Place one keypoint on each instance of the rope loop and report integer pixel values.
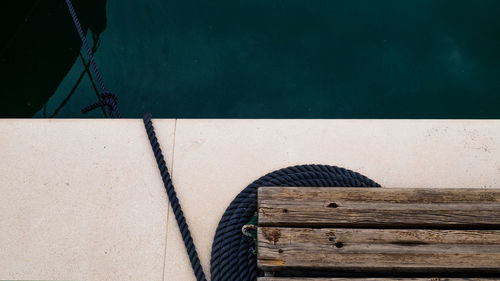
(109, 100)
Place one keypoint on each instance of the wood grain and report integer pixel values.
(379, 250)
(379, 207)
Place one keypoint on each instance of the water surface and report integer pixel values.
(296, 59)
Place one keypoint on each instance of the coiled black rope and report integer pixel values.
(232, 258)
(174, 202)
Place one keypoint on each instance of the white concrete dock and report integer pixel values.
(83, 199)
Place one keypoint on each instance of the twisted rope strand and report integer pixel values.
(107, 98)
(174, 201)
(86, 46)
(232, 258)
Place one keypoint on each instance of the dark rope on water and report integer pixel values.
(86, 46)
(233, 257)
(107, 99)
(174, 201)
(89, 75)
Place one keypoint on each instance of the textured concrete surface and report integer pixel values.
(83, 200)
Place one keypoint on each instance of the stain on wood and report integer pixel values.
(274, 261)
(271, 235)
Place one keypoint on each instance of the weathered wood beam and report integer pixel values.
(379, 250)
(379, 207)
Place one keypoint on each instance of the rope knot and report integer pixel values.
(107, 99)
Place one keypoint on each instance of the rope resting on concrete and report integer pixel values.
(172, 197)
(232, 257)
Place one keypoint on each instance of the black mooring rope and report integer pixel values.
(174, 202)
(107, 98)
(232, 258)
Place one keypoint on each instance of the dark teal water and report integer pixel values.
(297, 59)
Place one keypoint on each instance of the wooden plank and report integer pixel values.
(378, 250)
(371, 279)
(379, 207)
